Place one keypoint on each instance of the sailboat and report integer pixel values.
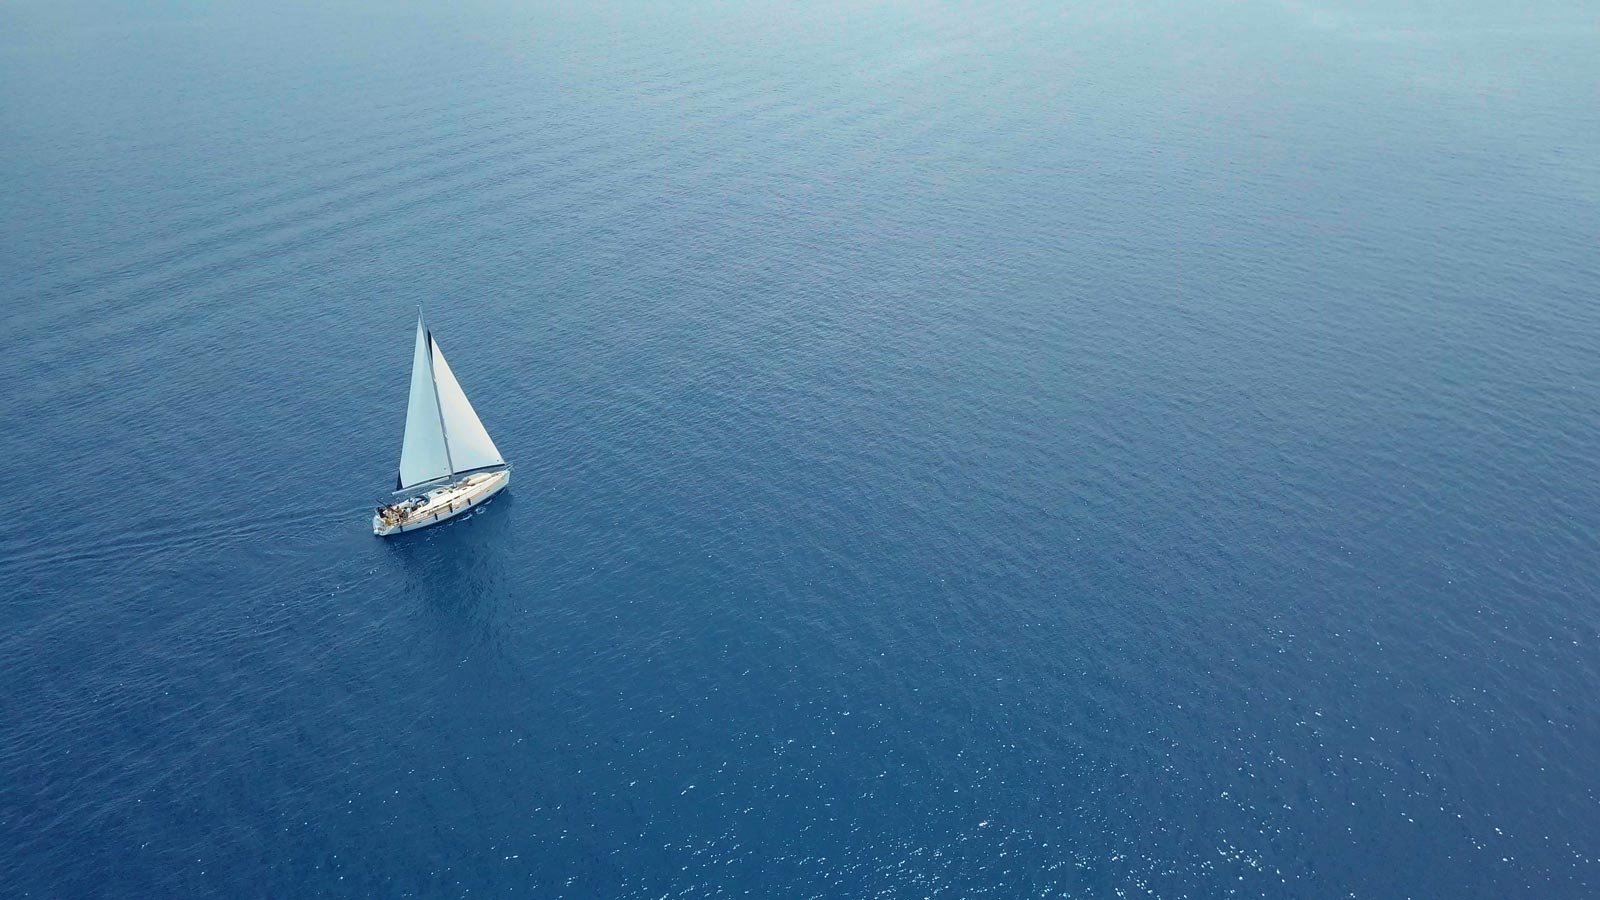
(445, 445)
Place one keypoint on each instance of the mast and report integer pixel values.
(433, 380)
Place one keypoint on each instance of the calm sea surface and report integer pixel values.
(962, 450)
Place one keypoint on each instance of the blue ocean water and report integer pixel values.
(961, 450)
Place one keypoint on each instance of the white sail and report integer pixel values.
(423, 456)
(469, 444)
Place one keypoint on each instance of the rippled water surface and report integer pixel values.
(962, 450)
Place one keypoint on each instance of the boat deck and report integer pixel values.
(448, 496)
(442, 503)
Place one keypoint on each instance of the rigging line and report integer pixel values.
(438, 407)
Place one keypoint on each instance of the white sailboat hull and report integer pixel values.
(444, 503)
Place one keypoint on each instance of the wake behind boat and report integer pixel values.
(444, 441)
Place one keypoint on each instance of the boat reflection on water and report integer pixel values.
(460, 571)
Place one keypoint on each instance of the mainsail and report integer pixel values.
(443, 434)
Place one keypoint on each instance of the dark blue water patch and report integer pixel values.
(984, 450)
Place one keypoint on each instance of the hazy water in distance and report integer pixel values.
(961, 450)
